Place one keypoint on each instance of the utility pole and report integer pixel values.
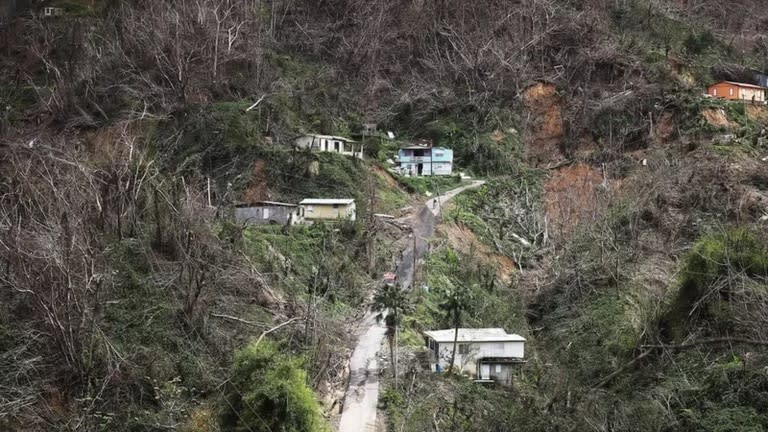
(413, 279)
(371, 226)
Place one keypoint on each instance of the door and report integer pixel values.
(419, 169)
(485, 371)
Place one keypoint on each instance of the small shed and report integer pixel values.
(737, 91)
(329, 208)
(269, 213)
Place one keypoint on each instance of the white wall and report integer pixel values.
(440, 168)
(476, 351)
(305, 141)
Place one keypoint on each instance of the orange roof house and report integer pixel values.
(737, 91)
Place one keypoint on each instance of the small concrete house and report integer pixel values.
(50, 12)
(419, 160)
(329, 209)
(269, 213)
(332, 144)
(737, 91)
(485, 354)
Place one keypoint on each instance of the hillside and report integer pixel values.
(621, 228)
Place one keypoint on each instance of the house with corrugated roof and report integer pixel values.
(737, 91)
(484, 354)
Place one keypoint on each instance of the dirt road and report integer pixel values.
(359, 414)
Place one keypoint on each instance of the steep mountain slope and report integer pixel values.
(626, 211)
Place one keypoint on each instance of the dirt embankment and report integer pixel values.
(464, 240)
(257, 189)
(664, 129)
(546, 128)
(716, 117)
(758, 113)
(570, 196)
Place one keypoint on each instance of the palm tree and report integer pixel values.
(456, 301)
(391, 302)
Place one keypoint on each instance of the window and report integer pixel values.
(730, 91)
(498, 368)
(265, 213)
(714, 92)
(463, 349)
(335, 206)
(439, 154)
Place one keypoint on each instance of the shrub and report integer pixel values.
(697, 44)
(711, 263)
(268, 392)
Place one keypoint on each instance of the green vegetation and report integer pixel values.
(227, 143)
(268, 392)
(484, 300)
(722, 277)
(391, 302)
(503, 211)
(130, 297)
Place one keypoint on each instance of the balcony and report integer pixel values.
(415, 159)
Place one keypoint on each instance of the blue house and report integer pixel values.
(761, 78)
(419, 160)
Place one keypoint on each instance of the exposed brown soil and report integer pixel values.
(758, 113)
(464, 240)
(569, 196)
(257, 189)
(664, 128)
(385, 176)
(546, 129)
(716, 117)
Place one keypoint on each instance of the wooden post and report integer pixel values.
(209, 192)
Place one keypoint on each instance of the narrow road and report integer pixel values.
(362, 397)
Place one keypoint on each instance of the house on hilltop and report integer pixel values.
(269, 213)
(330, 143)
(329, 209)
(422, 159)
(485, 354)
(737, 91)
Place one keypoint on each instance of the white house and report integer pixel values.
(329, 143)
(485, 354)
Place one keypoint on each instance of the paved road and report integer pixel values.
(359, 414)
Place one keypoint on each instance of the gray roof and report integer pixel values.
(474, 335)
(321, 201)
(265, 203)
